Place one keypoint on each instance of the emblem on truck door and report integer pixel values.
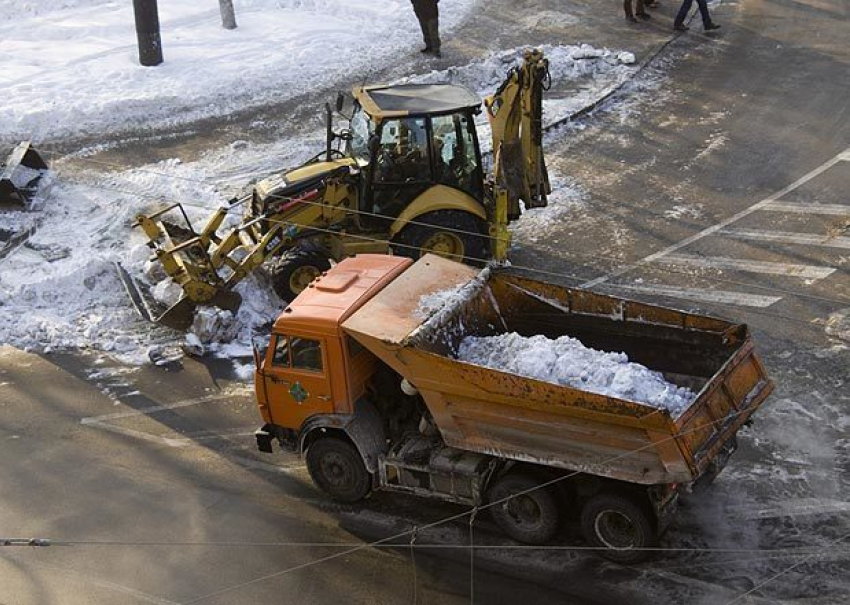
(299, 393)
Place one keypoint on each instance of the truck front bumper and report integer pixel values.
(264, 438)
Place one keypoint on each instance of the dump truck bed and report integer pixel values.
(415, 325)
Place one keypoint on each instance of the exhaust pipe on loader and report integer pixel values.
(20, 174)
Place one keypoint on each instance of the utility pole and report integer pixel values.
(147, 32)
(228, 18)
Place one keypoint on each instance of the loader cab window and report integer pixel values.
(455, 153)
(298, 354)
(361, 130)
(403, 152)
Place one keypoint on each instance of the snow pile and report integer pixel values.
(579, 70)
(566, 361)
(71, 67)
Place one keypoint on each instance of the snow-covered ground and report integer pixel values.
(71, 68)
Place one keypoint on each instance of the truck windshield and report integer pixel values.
(361, 130)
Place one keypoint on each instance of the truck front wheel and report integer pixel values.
(337, 468)
(620, 525)
(524, 510)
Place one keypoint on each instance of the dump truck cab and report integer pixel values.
(313, 376)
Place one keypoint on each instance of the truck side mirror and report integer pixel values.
(259, 347)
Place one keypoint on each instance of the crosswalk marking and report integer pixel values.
(798, 208)
(785, 237)
(750, 266)
(723, 224)
(724, 297)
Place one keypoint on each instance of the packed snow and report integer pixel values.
(71, 67)
(566, 361)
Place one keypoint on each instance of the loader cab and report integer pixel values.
(413, 138)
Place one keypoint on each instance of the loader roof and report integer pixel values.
(415, 99)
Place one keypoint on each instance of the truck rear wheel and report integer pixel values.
(294, 271)
(337, 468)
(452, 234)
(618, 524)
(529, 513)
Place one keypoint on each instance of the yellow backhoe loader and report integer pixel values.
(407, 178)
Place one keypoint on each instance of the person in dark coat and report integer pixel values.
(707, 23)
(640, 12)
(428, 16)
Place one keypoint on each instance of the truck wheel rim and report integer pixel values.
(615, 530)
(447, 245)
(302, 277)
(336, 470)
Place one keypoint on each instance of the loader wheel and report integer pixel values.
(452, 234)
(620, 525)
(531, 515)
(294, 271)
(337, 468)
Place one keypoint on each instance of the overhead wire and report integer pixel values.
(669, 265)
(512, 266)
(788, 569)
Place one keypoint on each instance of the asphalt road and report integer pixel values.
(719, 178)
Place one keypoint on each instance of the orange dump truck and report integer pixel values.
(364, 379)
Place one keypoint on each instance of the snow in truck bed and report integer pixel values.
(567, 362)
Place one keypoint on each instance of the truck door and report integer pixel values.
(298, 381)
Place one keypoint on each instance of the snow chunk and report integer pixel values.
(567, 362)
(626, 58)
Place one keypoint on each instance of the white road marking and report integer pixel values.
(810, 272)
(792, 508)
(103, 422)
(723, 224)
(286, 469)
(785, 237)
(141, 596)
(799, 208)
(739, 299)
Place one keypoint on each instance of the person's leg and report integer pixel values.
(707, 24)
(641, 11)
(683, 12)
(423, 25)
(434, 35)
(627, 8)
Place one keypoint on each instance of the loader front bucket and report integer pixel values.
(20, 175)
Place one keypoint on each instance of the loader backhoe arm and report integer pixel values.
(515, 112)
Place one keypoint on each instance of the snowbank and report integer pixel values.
(70, 67)
(566, 361)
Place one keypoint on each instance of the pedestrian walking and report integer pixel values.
(707, 23)
(428, 15)
(639, 12)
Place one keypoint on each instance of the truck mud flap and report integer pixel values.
(20, 175)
